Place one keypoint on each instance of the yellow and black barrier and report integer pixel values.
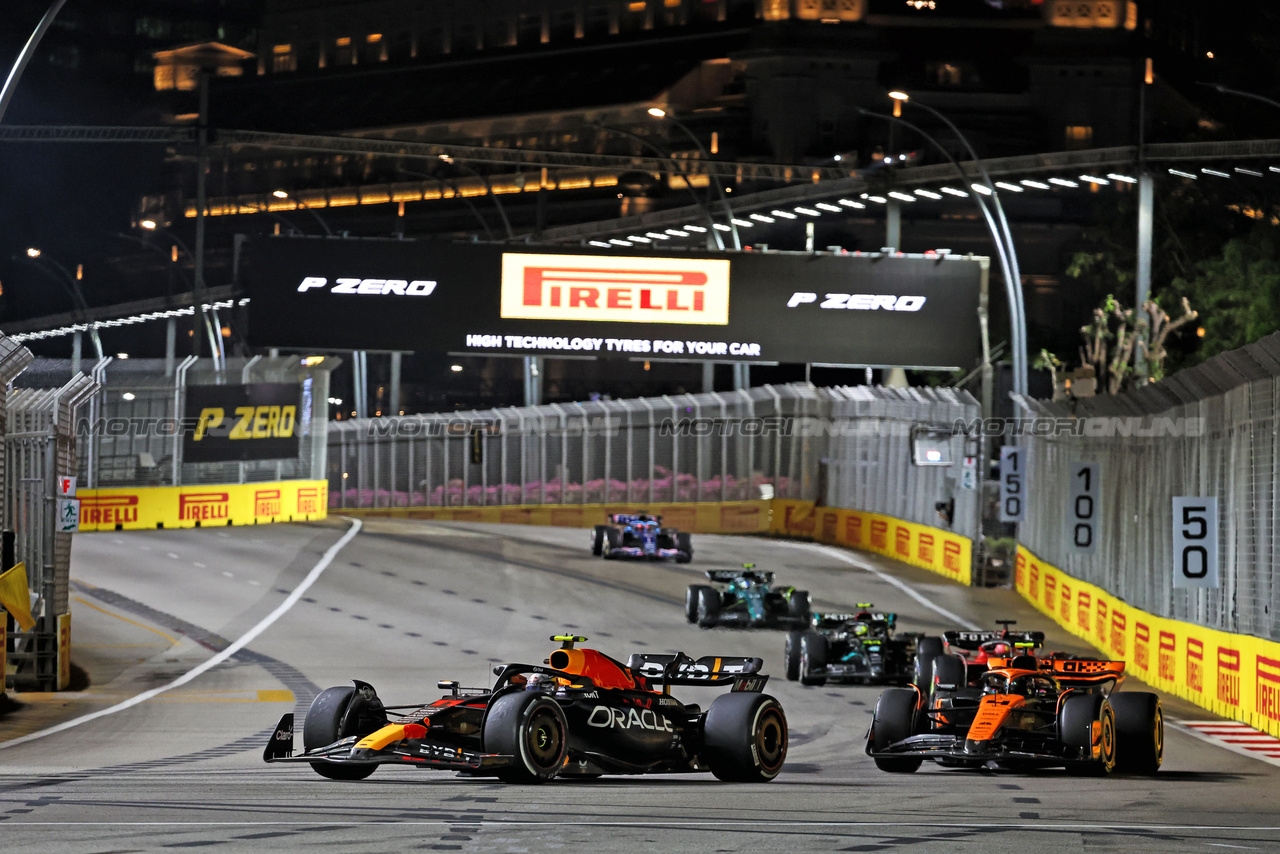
(1235, 676)
(134, 508)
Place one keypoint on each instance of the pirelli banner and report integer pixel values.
(853, 309)
(1236, 676)
(946, 553)
(126, 509)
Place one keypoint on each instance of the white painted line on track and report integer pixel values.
(839, 554)
(718, 824)
(237, 645)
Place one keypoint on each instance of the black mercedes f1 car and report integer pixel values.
(580, 715)
(863, 648)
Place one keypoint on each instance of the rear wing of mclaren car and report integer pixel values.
(680, 669)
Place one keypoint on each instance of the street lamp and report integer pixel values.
(497, 203)
(71, 285)
(1003, 238)
(675, 166)
(659, 113)
(284, 194)
(216, 349)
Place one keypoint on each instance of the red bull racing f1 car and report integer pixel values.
(1023, 713)
(579, 715)
(640, 536)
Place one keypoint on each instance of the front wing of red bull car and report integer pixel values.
(579, 715)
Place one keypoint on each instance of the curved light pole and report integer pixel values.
(215, 340)
(283, 194)
(70, 285)
(497, 203)
(1018, 309)
(1017, 331)
(15, 73)
(659, 113)
(1218, 87)
(675, 167)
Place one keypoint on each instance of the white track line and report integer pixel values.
(240, 643)
(717, 826)
(839, 554)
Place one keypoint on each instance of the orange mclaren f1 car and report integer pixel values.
(1023, 713)
(579, 715)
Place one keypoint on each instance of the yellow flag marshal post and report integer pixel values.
(14, 597)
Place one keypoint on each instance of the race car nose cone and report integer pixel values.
(976, 747)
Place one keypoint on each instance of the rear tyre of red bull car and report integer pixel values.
(894, 719)
(531, 728)
(744, 738)
(1076, 728)
(1139, 732)
(331, 718)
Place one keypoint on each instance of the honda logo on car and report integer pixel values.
(624, 290)
(607, 718)
(370, 287)
(859, 302)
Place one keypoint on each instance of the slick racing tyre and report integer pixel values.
(328, 721)
(791, 655)
(813, 659)
(927, 650)
(685, 544)
(894, 719)
(691, 597)
(597, 540)
(1075, 729)
(950, 673)
(532, 729)
(1139, 732)
(708, 607)
(744, 738)
(612, 540)
(798, 606)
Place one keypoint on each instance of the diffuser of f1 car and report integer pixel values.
(581, 715)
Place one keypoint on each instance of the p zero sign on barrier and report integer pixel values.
(241, 422)
(1013, 484)
(911, 311)
(1082, 508)
(1195, 542)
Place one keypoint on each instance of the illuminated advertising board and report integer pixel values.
(258, 421)
(909, 311)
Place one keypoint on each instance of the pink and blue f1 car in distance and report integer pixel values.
(640, 536)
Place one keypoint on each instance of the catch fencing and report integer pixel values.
(1207, 431)
(131, 433)
(846, 447)
(37, 428)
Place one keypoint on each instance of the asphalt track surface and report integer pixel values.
(405, 604)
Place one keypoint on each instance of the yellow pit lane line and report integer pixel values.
(86, 603)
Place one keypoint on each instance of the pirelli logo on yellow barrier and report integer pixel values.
(1236, 676)
(944, 552)
(203, 506)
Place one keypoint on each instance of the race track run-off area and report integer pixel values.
(222, 632)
